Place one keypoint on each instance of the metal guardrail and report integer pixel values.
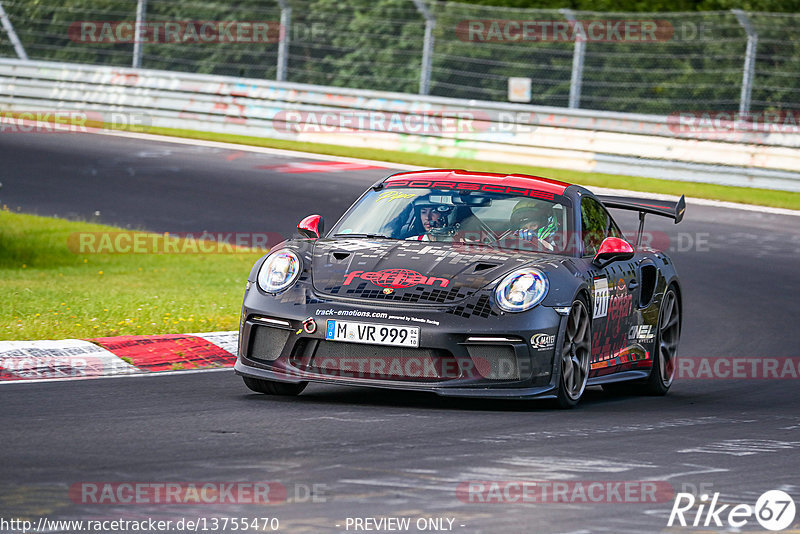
(642, 62)
(607, 142)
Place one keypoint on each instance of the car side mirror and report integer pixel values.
(311, 227)
(612, 249)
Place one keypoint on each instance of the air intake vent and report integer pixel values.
(649, 278)
(266, 343)
(495, 362)
(339, 256)
(356, 360)
(483, 267)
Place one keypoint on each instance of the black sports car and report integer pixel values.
(466, 284)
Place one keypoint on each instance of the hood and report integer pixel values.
(410, 271)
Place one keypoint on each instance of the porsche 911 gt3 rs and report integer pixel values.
(466, 284)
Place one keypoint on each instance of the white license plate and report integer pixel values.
(375, 334)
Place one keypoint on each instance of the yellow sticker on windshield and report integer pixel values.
(394, 195)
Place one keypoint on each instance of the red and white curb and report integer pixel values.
(115, 356)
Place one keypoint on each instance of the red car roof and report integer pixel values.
(513, 180)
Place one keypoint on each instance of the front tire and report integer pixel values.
(270, 387)
(575, 354)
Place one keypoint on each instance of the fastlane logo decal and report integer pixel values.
(601, 295)
(395, 278)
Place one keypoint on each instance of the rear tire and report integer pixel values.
(665, 353)
(574, 356)
(270, 387)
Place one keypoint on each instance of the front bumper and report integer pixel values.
(488, 356)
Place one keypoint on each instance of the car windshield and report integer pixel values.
(483, 219)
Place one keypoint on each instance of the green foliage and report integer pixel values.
(377, 44)
(52, 291)
(785, 6)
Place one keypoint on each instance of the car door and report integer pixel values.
(614, 293)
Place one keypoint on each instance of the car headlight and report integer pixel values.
(279, 271)
(521, 290)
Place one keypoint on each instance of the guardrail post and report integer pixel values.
(749, 60)
(578, 53)
(283, 43)
(12, 35)
(141, 13)
(427, 47)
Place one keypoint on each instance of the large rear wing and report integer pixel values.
(664, 208)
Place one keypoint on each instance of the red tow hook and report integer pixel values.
(309, 325)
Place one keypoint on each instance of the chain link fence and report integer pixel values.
(658, 63)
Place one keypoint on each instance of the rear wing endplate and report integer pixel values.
(663, 208)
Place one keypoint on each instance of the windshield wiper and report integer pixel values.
(368, 236)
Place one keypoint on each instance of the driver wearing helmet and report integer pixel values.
(534, 220)
(433, 221)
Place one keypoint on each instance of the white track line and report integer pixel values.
(310, 155)
(142, 374)
(259, 149)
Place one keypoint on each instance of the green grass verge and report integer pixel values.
(50, 291)
(745, 195)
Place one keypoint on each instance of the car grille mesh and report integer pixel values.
(355, 360)
(495, 362)
(266, 343)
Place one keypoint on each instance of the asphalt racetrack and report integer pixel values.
(370, 453)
